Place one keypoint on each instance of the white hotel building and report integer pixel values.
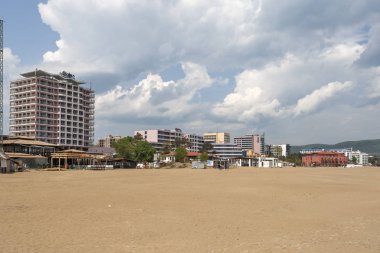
(54, 108)
(161, 137)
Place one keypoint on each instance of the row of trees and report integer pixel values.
(139, 150)
(135, 149)
(181, 155)
(180, 145)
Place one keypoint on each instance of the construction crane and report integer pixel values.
(1, 85)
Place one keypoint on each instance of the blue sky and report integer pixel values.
(36, 37)
(301, 71)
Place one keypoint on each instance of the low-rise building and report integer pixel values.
(170, 157)
(267, 162)
(324, 158)
(107, 152)
(356, 157)
(226, 151)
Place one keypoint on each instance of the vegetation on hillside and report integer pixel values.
(372, 147)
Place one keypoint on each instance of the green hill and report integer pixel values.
(372, 147)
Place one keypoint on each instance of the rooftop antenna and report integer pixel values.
(1, 85)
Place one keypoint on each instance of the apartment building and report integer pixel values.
(255, 142)
(195, 142)
(53, 108)
(219, 138)
(160, 137)
(108, 140)
(278, 150)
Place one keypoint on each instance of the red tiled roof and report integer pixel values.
(324, 153)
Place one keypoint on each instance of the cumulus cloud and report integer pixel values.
(285, 58)
(11, 64)
(129, 37)
(153, 97)
(311, 102)
(288, 87)
(11, 68)
(143, 36)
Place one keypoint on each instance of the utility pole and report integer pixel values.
(1, 85)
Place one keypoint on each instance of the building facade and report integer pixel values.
(53, 108)
(108, 141)
(161, 137)
(324, 158)
(255, 142)
(226, 151)
(280, 150)
(356, 157)
(195, 142)
(219, 138)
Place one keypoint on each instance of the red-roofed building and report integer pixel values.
(325, 159)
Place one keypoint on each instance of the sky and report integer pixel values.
(300, 71)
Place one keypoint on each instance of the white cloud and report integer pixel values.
(311, 102)
(344, 53)
(11, 68)
(143, 36)
(285, 56)
(11, 64)
(290, 86)
(153, 97)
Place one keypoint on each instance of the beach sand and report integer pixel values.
(182, 210)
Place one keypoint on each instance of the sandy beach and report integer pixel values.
(182, 210)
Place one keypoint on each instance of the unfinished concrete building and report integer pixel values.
(53, 108)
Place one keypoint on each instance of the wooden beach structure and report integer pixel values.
(72, 158)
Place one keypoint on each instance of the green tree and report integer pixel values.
(206, 147)
(295, 158)
(135, 149)
(180, 154)
(204, 157)
(375, 161)
(138, 137)
(181, 142)
(166, 148)
(125, 148)
(277, 151)
(144, 152)
(354, 160)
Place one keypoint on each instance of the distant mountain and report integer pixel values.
(372, 147)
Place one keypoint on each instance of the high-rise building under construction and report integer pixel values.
(54, 108)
